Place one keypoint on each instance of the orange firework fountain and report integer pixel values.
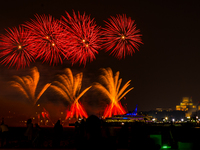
(111, 90)
(27, 86)
(69, 88)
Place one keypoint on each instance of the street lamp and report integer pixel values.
(166, 118)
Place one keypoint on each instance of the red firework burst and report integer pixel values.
(16, 48)
(48, 38)
(121, 36)
(84, 37)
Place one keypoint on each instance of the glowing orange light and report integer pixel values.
(19, 47)
(123, 37)
(47, 37)
(83, 40)
(53, 44)
(86, 45)
(43, 114)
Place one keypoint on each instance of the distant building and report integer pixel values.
(163, 109)
(187, 106)
(170, 115)
(159, 109)
(198, 106)
(183, 112)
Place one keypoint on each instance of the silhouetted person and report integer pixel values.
(77, 127)
(38, 140)
(80, 138)
(58, 129)
(93, 131)
(4, 134)
(29, 132)
(82, 128)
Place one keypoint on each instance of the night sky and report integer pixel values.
(165, 69)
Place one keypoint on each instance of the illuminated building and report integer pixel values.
(129, 117)
(186, 105)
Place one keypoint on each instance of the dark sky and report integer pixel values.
(164, 70)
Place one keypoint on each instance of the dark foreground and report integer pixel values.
(137, 136)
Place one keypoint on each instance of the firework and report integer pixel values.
(48, 39)
(84, 35)
(16, 48)
(77, 110)
(69, 88)
(45, 114)
(121, 37)
(27, 86)
(112, 91)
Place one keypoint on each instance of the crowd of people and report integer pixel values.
(33, 136)
(89, 134)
